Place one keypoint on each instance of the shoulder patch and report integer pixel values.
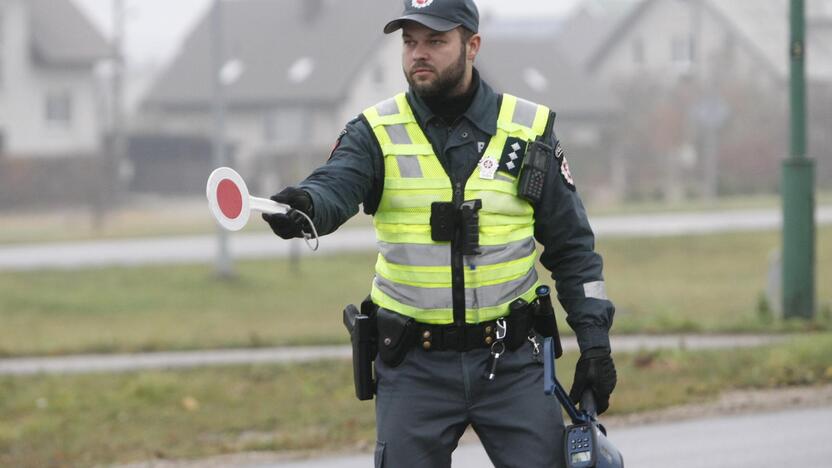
(565, 173)
(338, 141)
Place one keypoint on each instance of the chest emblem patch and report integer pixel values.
(488, 167)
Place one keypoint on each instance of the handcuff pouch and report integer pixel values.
(396, 335)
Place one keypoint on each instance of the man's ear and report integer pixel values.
(473, 47)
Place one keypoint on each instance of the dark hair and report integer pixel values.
(466, 34)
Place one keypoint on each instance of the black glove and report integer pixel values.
(293, 223)
(595, 371)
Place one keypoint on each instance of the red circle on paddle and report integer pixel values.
(229, 199)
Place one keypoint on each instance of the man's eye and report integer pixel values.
(437, 42)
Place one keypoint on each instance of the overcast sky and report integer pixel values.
(155, 28)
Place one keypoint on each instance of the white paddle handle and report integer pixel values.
(264, 205)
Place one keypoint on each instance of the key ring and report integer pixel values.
(502, 348)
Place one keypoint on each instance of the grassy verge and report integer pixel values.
(691, 284)
(703, 283)
(89, 419)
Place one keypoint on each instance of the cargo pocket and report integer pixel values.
(379, 455)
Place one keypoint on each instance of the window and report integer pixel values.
(825, 9)
(59, 108)
(682, 50)
(283, 126)
(638, 51)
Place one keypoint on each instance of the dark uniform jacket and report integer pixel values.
(354, 174)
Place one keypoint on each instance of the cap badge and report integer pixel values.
(421, 3)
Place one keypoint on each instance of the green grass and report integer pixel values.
(179, 307)
(701, 283)
(697, 283)
(81, 420)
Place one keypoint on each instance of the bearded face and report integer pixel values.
(434, 63)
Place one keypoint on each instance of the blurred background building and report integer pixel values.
(50, 101)
(656, 99)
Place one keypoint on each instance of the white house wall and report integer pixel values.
(366, 89)
(23, 97)
(656, 30)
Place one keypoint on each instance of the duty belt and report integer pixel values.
(461, 338)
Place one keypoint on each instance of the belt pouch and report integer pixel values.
(545, 321)
(362, 331)
(396, 335)
(519, 321)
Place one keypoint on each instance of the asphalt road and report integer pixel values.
(198, 249)
(765, 440)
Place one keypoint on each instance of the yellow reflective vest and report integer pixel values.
(413, 272)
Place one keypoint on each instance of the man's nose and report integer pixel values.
(419, 53)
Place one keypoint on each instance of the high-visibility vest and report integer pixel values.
(413, 272)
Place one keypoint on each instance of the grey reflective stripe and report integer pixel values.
(388, 107)
(440, 298)
(416, 254)
(488, 296)
(595, 290)
(524, 113)
(494, 254)
(499, 176)
(398, 134)
(409, 167)
(440, 255)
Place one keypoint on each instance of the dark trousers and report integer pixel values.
(424, 405)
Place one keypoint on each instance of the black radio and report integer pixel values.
(534, 170)
(536, 165)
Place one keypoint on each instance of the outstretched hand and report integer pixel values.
(292, 224)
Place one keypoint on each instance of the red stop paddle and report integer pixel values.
(230, 202)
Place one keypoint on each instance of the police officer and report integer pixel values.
(450, 140)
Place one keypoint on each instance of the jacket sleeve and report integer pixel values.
(562, 228)
(353, 175)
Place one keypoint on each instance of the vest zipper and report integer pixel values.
(457, 263)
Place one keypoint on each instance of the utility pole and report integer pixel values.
(119, 143)
(224, 267)
(798, 186)
(109, 193)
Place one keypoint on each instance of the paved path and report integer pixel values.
(172, 360)
(765, 440)
(197, 249)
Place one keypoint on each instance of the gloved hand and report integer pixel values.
(292, 224)
(595, 371)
